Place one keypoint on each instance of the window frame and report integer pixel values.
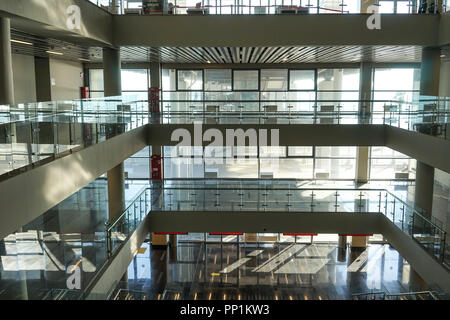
(302, 90)
(246, 90)
(189, 90)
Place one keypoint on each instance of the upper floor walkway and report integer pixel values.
(51, 150)
(98, 27)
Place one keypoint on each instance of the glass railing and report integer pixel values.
(256, 7)
(119, 230)
(35, 133)
(244, 198)
(117, 233)
(381, 295)
(429, 115)
(227, 196)
(32, 134)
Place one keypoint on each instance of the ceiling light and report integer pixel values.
(82, 59)
(54, 52)
(442, 55)
(22, 42)
(208, 61)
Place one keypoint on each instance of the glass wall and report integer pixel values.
(386, 164)
(138, 165)
(338, 84)
(394, 84)
(320, 163)
(134, 82)
(234, 90)
(274, 6)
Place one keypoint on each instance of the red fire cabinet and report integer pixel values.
(85, 92)
(156, 168)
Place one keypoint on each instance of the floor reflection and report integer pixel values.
(285, 271)
(43, 254)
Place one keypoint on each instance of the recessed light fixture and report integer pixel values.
(22, 42)
(82, 59)
(54, 52)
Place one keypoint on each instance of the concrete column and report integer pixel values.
(111, 72)
(173, 240)
(43, 79)
(116, 192)
(113, 87)
(155, 75)
(365, 91)
(6, 71)
(423, 194)
(430, 71)
(362, 164)
(342, 248)
(429, 86)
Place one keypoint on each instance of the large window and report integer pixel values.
(386, 164)
(274, 79)
(395, 84)
(218, 80)
(338, 84)
(302, 80)
(134, 82)
(245, 80)
(190, 80)
(138, 165)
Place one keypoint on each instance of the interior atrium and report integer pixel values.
(224, 150)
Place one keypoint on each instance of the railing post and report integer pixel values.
(442, 249)
(386, 204)
(134, 215)
(403, 216)
(140, 208)
(379, 201)
(108, 240)
(393, 212)
(336, 201)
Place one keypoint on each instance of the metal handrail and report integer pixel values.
(387, 295)
(312, 189)
(412, 294)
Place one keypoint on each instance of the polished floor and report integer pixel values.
(267, 271)
(37, 259)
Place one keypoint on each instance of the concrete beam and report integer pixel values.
(48, 18)
(28, 195)
(269, 221)
(274, 30)
(433, 151)
(290, 134)
(424, 264)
